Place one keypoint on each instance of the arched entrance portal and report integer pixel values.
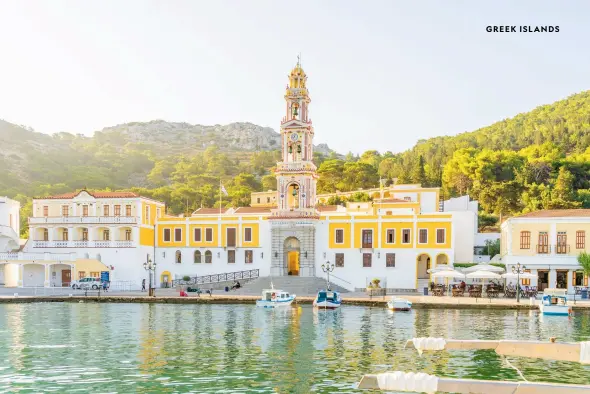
(423, 265)
(292, 249)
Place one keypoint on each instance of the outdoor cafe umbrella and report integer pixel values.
(439, 268)
(524, 275)
(483, 275)
(446, 274)
(484, 267)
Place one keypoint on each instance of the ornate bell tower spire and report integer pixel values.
(296, 173)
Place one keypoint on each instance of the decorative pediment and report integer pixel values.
(83, 196)
(294, 124)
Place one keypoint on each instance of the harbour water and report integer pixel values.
(131, 348)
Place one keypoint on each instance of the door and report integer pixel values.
(561, 243)
(231, 237)
(293, 263)
(561, 279)
(543, 280)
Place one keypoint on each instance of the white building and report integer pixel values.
(9, 224)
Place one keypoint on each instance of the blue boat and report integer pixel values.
(272, 298)
(327, 299)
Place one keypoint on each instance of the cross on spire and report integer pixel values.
(299, 60)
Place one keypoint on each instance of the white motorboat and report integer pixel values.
(327, 300)
(554, 302)
(273, 298)
(399, 304)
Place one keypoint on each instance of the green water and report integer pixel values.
(133, 348)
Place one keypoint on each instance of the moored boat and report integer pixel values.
(399, 304)
(273, 298)
(327, 299)
(554, 302)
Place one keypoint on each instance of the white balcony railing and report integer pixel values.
(296, 166)
(83, 244)
(84, 220)
(38, 256)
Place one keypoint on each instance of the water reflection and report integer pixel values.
(240, 348)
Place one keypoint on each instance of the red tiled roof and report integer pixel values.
(327, 208)
(252, 210)
(209, 211)
(557, 213)
(66, 196)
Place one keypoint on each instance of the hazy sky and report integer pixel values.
(382, 74)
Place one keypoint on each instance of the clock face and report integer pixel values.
(294, 137)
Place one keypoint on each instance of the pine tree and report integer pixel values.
(418, 173)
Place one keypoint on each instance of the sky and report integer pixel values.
(381, 74)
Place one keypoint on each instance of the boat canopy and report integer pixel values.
(555, 292)
(327, 295)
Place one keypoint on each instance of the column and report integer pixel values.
(21, 275)
(70, 235)
(47, 282)
(114, 235)
(553, 237)
(570, 282)
(552, 279)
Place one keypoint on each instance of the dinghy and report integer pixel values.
(554, 302)
(399, 304)
(327, 300)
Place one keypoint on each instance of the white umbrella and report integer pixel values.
(484, 267)
(448, 274)
(525, 275)
(440, 267)
(483, 275)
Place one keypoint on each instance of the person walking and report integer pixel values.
(143, 285)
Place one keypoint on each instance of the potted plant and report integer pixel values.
(376, 283)
(186, 278)
(584, 261)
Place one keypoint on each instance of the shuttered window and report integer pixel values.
(390, 260)
(197, 234)
(580, 239)
(441, 236)
(423, 236)
(367, 257)
(339, 236)
(231, 256)
(208, 235)
(339, 259)
(177, 235)
(166, 235)
(367, 240)
(248, 234)
(231, 237)
(525, 239)
(406, 238)
(390, 236)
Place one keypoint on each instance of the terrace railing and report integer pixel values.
(217, 278)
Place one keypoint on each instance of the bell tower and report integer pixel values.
(296, 173)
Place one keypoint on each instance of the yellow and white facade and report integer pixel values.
(548, 243)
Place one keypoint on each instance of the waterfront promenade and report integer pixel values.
(7, 295)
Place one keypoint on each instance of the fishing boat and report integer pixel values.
(327, 299)
(554, 302)
(399, 304)
(273, 298)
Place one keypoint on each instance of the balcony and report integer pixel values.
(543, 249)
(562, 249)
(84, 220)
(296, 166)
(38, 256)
(83, 244)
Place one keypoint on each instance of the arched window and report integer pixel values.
(197, 257)
(178, 257)
(208, 257)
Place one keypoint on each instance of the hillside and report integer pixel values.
(535, 160)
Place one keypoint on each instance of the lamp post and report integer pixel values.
(518, 270)
(327, 268)
(150, 267)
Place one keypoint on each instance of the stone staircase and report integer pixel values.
(422, 283)
(301, 286)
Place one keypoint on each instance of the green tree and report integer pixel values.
(358, 175)
(492, 247)
(330, 173)
(584, 261)
(418, 173)
(269, 182)
(359, 197)
(486, 221)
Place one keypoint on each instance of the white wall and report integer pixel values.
(463, 240)
(428, 202)
(9, 224)
(34, 275)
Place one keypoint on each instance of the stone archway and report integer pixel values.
(423, 264)
(292, 249)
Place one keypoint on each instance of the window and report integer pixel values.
(267, 200)
(117, 210)
(526, 282)
(561, 242)
(231, 237)
(105, 210)
(197, 234)
(543, 246)
(95, 274)
(408, 198)
(208, 235)
(127, 210)
(390, 260)
(106, 235)
(45, 234)
(197, 259)
(441, 235)
(390, 236)
(367, 259)
(166, 235)
(81, 275)
(258, 200)
(423, 236)
(84, 210)
(406, 236)
(231, 256)
(249, 256)
(64, 235)
(247, 234)
(65, 210)
(127, 235)
(339, 259)
(45, 210)
(147, 214)
(158, 212)
(525, 239)
(178, 257)
(339, 236)
(581, 239)
(177, 235)
(367, 241)
(85, 234)
(208, 257)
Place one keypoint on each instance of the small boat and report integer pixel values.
(399, 304)
(327, 299)
(273, 298)
(554, 302)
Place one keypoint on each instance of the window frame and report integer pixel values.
(209, 230)
(409, 232)
(117, 210)
(336, 258)
(164, 231)
(444, 236)
(227, 232)
(250, 253)
(128, 210)
(387, 256)
(208, 256)
(231, 252)
(65, 210)
(363, 243)
(370, 260)
(387, 232)
(247, 239)
(580, 239)
(200, 232)
(525, 240)
(199, 254)
(176, 229)
(106, 210)
(45, 211)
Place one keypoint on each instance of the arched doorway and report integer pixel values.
(292, 248)
(442, 259)
(423, 265)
